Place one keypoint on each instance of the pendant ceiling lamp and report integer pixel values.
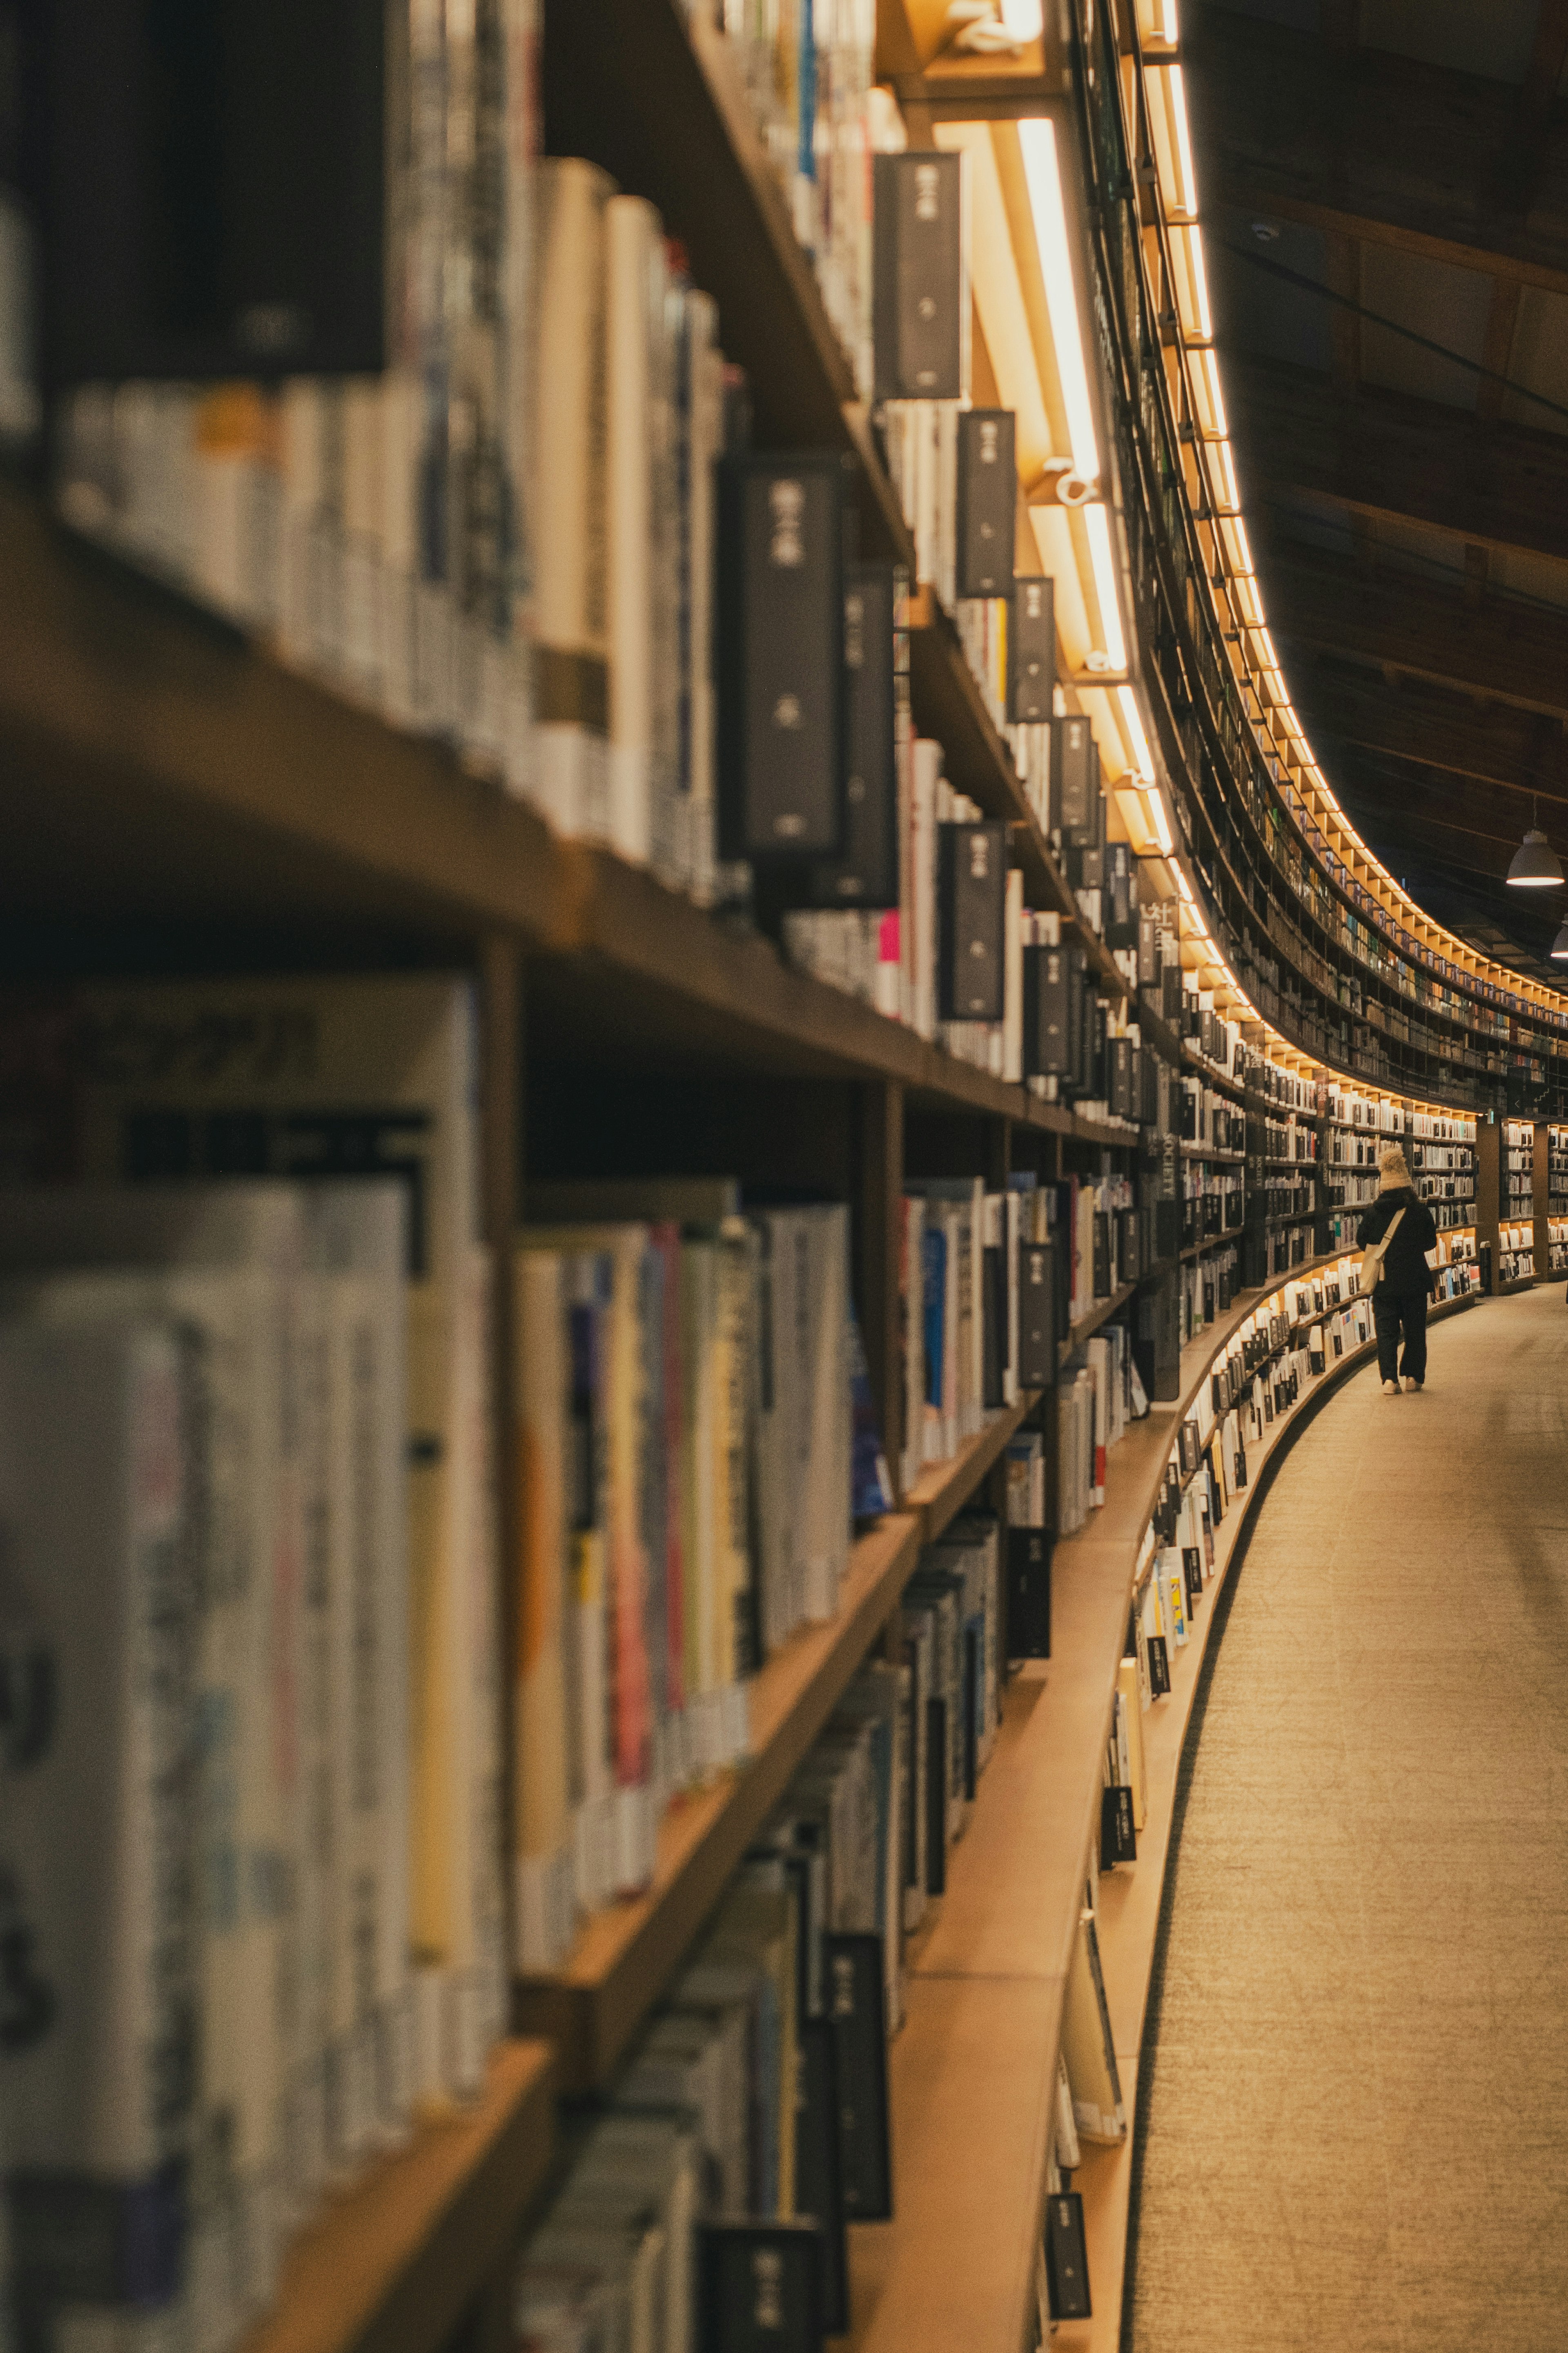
(1535, 865)
(1560, 946)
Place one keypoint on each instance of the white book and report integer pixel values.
(225, 1260)
(372, 1076)
(95, 1864)
(356, 1248)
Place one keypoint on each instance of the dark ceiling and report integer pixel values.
(1368, 166)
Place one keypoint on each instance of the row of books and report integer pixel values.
(377, 528)
(1206, 1288)
(1383, 1115)
(1101, 1228)
(751, 2124)
(1216, 1041)
(1099, 1393)
(1289, 1138)
(808, 72)
(1286, 1088)
(1516, 1254)
(979, 1304)
(1208, 1117)
(686, 1432)
(249, 1861)
(1557, 1246)
(1213, 1202)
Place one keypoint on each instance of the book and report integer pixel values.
(99, 1492)
(344, 1079)
(1087, 2046)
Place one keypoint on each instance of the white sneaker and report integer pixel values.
(1391, 1389)
(1410, 1385)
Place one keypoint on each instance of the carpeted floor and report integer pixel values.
(1356, 2135)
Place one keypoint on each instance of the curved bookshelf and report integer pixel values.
(973, 2071)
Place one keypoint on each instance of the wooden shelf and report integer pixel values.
(154, 769)
(974, 2069)
(625, 1955)
(396, 2259)
(1191, 1250)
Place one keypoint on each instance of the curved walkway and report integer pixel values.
(1356, 2136)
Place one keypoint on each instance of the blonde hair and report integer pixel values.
(1391, 1168)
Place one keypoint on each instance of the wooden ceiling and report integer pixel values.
(1385, 185)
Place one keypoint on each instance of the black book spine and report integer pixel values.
(1074, 764)
(759, 2287)
(1032, 650)
(867, 873)
(1029, 1593)
(1036, 1316)
(919, 282)
(780, 657)
(852, 1965)
(971, 915)
(974, 1702)
(818, 2171)
(987, 501)
(935, 1796)
(1067, 2257)
(1119, 1839)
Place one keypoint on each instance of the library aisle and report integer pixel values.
(1355, 2067)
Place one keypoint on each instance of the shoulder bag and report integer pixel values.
(1371, 1259)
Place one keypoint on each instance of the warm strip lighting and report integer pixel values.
(1249, 604)
(1238, 549)
(1186, 178)
(1200, 284)
(1209, 398)
(1227, 495)
(1037, 144)
(1096, 523)
(1132, 730)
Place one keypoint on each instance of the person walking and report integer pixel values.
(1398, 1301)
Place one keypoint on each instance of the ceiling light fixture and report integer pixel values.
(1535, 863)
(1560, 946)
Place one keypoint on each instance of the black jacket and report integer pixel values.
(1405, 1267)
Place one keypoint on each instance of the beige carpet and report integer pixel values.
(1356, 2136)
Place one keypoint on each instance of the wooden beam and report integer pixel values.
(1384, 149)
(1506, 751)
(1509, 651)
(1389, 455)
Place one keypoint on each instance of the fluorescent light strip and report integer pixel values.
(1132, 728)
(1225, 488)
(1186, 177)
(1096, 523)
(1037, 144)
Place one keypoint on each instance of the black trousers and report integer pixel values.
(1391, 1310)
